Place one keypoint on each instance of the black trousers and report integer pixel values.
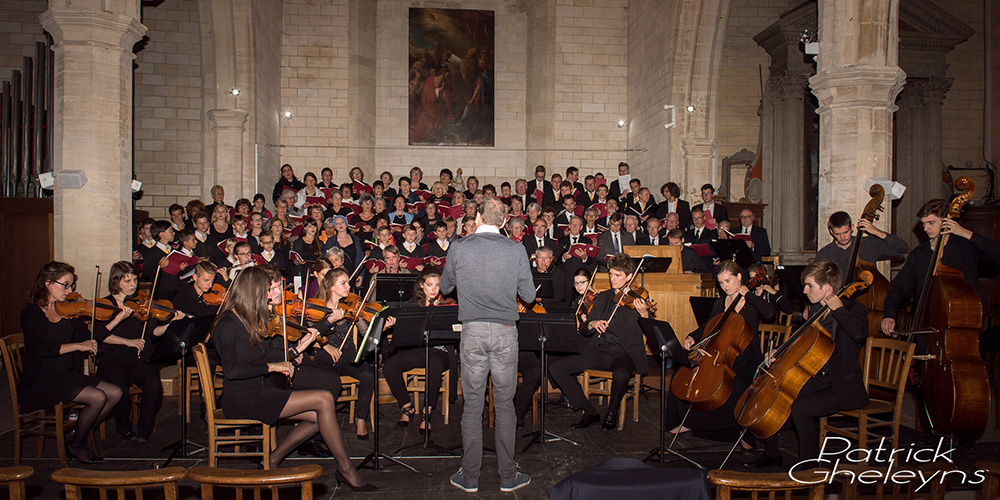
(530, 367)
(407, 359)
(600, 357)
(815, 400)
(124, 373)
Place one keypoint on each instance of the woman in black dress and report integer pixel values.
(122, 349)
(53, 360)
(308, 247)
(244, 358)
(720, 424)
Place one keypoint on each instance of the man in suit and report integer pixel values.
(632, 228)
(759, 243)
(615, 190)
(610, 343)
(549, 215)
(652, 236)
(643, 207)
(573, 237)
(691, 262)
(573, 177)
(671, 222)
(538, 238)
(588, 196)
(521, 193)
(699, 233)
(613, 240)
(714, 212)
(672, 204)
(567, 211)
(540, 184)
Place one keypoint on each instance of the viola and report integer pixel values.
(293, 331)
(215, 295)
(627, 296)
(441, 300)
(767, 403)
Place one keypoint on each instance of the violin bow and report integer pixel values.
(93, 316)
(626, 287)
(149, 303)
(305, 293)
(357, 316)
(284, 328)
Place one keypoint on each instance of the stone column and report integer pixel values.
(92, 128)
(857, 81)
(228, 129)
(785, 96)
(918, 149)
(698, 154)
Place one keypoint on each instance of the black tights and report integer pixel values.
(97, 401)
(315, 410)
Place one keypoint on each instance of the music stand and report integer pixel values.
(550, 332)
(651, 264)
(735, 250)
(394, 289)
(369, 343)
(661, 335)
(702, 308)
(416, 326)
(790, 278)
(173, 343)
(544, 284)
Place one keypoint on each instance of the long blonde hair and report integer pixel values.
(247, 298)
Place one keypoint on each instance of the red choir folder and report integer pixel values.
(288, 188)
(593, 236)
(703, 249)
(370, 245)
(259, 260)
(292, 255)
(359, 226)
(601, 182)
(431, 260)
(410, 263)
(360, 187)
(176, 260)
(744, 237)
(315, 200)
(423, 194)
(579, 210)
(375, 265)
(396, 228)
(414, 208)
(590, 250)
(327, 192)
(602, 209)
(453, 211)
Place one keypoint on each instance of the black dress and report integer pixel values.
(48, 377)
(244, 368)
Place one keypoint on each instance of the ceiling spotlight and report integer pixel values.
(621, 123)
(235, 91)
(288, 114)
(690, 108)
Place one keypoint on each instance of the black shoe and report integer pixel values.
(519, 424)
(127, 435)
(409, 412)
(362, 437)
(763, 461)
(586, 420)
(364, 487)
(610, 421)
(85, 461)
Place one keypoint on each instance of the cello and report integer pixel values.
(956, 391)
(874, 298)
(709, 384)
(767, 403)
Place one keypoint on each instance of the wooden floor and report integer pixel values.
(547, 464)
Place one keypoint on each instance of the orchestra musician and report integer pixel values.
(426, 293)
(720, 424)
(189, 297)
(122, 347)
(613, 341)
(839, 385)
(247, 360)
(883, 246)
(53, 369)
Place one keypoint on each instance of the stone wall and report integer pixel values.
(19, 30)
(168, 154)
(267, 93)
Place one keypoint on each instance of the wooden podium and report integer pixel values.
(671, 289)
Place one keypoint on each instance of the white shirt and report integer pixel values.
(200, 236)
(672, 206)
(186, 252)
(443, 244)
(409, 246)
(268, 255)
(746, 230)
(165, 248)
(486, 228)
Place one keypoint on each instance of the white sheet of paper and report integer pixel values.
(623, 181)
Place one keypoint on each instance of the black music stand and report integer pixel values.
(544, 284)
(735, 250)
(369, 344)
(551, 332)
(416, 326)
(702, 308)
(651, 264)
(394, 289)
(173, 343)
(661, 335)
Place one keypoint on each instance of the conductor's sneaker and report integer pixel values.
(459, 481)
(520, 481)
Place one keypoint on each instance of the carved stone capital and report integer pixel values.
(920, 92)
(852, 86)
(228, 119)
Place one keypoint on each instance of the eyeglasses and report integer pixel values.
(70, 287)
(746, 217)
(578, 283)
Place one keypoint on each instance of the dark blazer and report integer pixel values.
(691, 261)
(720, 212)
(761, 243)
(564, 244)
(583, 198)
(648, 211)
(279, 260)
(355, 257)
(849, 326)
(613, 190)
(683, 212)
(624, 325)
(645, 239)
(607, 245)
(547, 198)
(707, 235)
(168, 284)
(531, 244)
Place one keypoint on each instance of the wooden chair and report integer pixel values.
(50, 422)
(229, 432)
(14, 478)
(415, 386)
(768, 331)
(598, 382)
(349, 390)
(899, 487)
(120, 482)
(992, 483)
(256, 480)
(726, 482)
(784, 319)
(887, 362)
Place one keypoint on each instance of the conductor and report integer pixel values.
(490, 271)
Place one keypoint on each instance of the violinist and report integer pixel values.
(247, 360)
(320, 268)
(612, 341)
(719, 424)
(53, 371)
(426, 293)
(839, 385)
(882, 246)
(189, 297)
(120, 356)
(336, 357)
(771, 295)
(963, 253)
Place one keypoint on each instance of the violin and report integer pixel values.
(75, 306)
(586, 303)
(292, 333)
(441, 300)
(215, 296)
(142, 307)
(523, 306)
(627, 296)
(355, 308)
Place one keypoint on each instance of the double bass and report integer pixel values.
(708, 385)
(874, 299)
(767, 403)
(956, 391)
